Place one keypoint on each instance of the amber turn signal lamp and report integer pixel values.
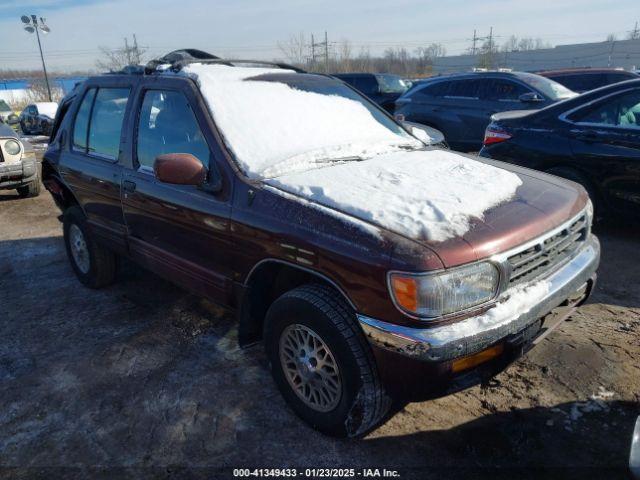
(405, 292)
(476, 359)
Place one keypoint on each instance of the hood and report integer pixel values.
(463, 208)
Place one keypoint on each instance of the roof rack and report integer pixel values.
(232, 62)
(179, 59)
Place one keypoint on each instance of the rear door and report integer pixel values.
(90, 154)
(465, 99)
(180, 231)
(606, 143)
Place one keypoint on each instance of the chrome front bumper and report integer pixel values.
(471, 335)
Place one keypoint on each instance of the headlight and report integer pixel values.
(12, 147)
(436, 294)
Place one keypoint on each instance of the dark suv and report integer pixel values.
(382, 88)
(585, 79)
(461, 105)
(369, 264)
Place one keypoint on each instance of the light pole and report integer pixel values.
(32, 25)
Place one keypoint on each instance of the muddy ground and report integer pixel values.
(143, 380)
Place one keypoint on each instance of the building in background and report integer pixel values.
(620, 54)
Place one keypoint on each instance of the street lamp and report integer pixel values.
(31, 25)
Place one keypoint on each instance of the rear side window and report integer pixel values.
(621, 111)
(98, 123)
(81, 124)
(106, 121)
(366, 85)
(504, 90)
(464, 88)
(438, 89)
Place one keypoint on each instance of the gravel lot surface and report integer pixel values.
(143, 380)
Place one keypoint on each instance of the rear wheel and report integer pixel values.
(322, 363)
(93, 264)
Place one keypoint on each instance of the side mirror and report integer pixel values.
(179, 169)
(530, 97)
(424, 133)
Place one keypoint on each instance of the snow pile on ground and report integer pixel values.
(273, 128)
(519, 301)
(596, 403)
(425, 195)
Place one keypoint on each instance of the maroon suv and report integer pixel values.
(370, 264)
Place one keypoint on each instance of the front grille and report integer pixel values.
(544, 256)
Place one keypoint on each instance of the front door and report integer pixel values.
(180, 231)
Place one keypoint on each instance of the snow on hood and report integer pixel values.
(47, 108)
(427, 195)
(273, 128)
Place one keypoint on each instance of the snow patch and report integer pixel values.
(273, 128)
(424, 195)
(518, 301)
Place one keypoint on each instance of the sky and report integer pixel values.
(254, 28)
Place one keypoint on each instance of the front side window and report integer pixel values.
(505, 90)
(621, 110)
(168, 125)
(106, 121)
(546, 86)
(81, 123)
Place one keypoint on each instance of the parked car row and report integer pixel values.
(461, 105)
(593, 139)
(368, 262)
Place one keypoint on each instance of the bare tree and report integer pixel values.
(611, 38)
(37, 92)
(115, 60)
(511, 45)
(295, 49)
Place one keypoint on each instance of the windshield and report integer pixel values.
(4, 107)
(278, 121)
(548, 87)
(392, 84)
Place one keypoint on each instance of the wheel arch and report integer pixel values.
(61, 193)
(269, 279)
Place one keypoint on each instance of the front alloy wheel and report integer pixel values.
(322, 362)
(310, 368)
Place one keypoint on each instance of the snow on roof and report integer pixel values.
(424, 195)
(273, 128)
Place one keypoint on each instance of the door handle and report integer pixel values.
(585, 135)
(128, 186)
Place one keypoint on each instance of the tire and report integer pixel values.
(96, 265)
(32, 189)
(575, 176)
(24, 129)
(319, 310)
